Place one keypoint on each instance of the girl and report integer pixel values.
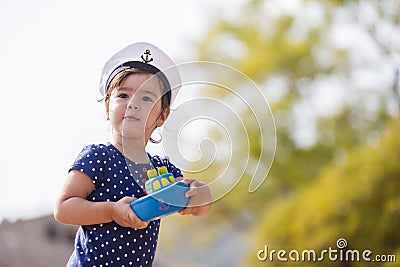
(137, 86)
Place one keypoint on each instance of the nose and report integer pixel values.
(133, 106)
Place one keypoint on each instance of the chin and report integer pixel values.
(132, 135)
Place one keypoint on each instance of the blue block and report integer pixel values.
(162, 202)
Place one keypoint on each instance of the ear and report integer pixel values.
(163, 117)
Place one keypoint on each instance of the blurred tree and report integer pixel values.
(330, 72)
(358, 201)
(328, 80)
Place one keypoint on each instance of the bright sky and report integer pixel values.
(51, 56)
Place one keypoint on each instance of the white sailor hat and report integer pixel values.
(144, 56)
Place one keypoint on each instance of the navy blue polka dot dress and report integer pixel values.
(115, 177)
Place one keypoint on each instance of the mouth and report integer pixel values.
(131, 118)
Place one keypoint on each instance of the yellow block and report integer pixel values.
(156, 185)
(164, 181)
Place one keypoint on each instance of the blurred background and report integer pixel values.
(329, 70)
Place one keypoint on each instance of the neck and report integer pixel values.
(133, 149)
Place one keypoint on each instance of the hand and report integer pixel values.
(124, 215)
(200, 198)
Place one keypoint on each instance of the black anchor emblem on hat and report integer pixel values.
(146, 59)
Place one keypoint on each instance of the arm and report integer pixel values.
(72, 207)
(200, 198)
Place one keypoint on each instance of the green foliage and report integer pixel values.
(271, 45)
(358, 201)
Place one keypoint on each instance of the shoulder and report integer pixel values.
(97, 153)
(159, 161)
(94, 159)
(99, 150)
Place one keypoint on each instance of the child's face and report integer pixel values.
(135, 107)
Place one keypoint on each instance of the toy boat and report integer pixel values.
(164, 196)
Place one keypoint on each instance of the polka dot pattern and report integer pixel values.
(115, 177)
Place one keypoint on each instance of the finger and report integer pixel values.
(129, 199)
(142, 225)
(186, 211)
(189, 180)
(132, 217)
(193, 189)
(135, 222)
(191, 192)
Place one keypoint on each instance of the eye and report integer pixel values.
(147, 99)
(123, 95)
